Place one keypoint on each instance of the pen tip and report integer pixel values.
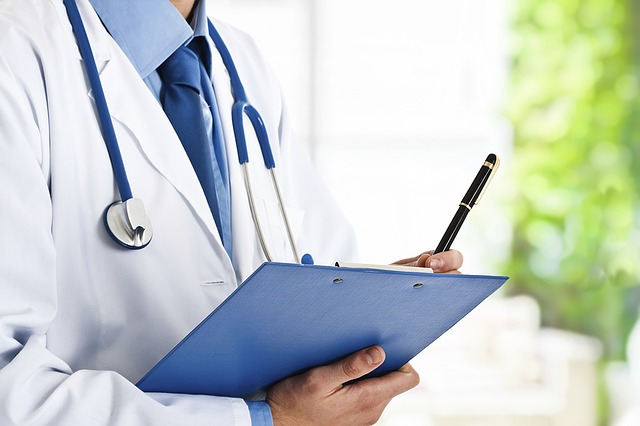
(492, 158)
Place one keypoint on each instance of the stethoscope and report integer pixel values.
(126, 220)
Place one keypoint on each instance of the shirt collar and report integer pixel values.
(149, 31)
(200, 21)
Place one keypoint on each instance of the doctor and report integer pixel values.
(81, 317)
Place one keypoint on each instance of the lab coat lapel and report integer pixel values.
(132, 105)
(247, 255)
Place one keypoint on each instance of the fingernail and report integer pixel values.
(435, 263)
(373, 356)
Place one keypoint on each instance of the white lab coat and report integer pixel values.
(82, 319)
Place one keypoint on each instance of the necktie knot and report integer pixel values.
(181, 68)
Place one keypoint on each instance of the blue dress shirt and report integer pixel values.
(148, 32)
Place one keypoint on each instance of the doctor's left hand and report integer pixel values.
(448, 261)
(327, 395)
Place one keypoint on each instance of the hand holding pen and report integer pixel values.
(452, 259)
(470, 199)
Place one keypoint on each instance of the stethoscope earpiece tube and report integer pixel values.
(242, 107)
(261, 134)
(237, 117)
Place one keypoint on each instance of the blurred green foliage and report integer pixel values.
(575, 106)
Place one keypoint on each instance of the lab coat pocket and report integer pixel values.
(216, 290)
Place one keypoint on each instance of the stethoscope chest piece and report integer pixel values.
(127, 223)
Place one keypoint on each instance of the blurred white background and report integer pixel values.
(399, 102)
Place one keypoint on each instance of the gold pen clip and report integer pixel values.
(494, 168)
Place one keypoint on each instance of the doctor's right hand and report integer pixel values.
(326, 395)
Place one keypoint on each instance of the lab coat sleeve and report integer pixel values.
(36, 387)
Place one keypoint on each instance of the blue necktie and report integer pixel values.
(183, 76)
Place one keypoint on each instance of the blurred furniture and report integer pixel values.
(497, 367)
(623, 384)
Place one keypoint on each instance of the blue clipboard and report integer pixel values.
(287, 318)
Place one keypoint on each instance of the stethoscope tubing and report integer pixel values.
(131, 210)
(240, 109)
(106, 125)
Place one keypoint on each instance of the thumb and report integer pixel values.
(353, 366)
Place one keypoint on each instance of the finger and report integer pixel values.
(418, 261)
(403, 379)
(352, 367)
(446, 261)
(423, 258)
(410, 261)
(394, 383)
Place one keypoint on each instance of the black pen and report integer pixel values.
(470, 199)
